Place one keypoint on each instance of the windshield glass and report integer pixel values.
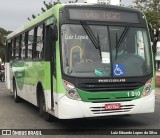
(111, 58)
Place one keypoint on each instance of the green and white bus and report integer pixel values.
(83, 60)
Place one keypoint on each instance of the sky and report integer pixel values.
(14, 13)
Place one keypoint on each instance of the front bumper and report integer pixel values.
(69, 109)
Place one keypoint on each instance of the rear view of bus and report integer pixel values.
(106, 62)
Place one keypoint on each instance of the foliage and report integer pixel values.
(3, 34)
(50, 5)
(151, 9)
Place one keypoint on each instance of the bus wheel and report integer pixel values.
(48, 117)
(42, 105)
(42, 108)
(17, 99)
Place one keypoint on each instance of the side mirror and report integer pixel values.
(153, 42)
(154, 48)
(55, 33)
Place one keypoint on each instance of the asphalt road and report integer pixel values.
(25, 116)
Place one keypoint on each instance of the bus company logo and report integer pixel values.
(90, 86)
(112, 80)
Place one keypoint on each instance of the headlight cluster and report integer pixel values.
(147, 88)
(71, 91)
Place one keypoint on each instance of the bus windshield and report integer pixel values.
(120, 53)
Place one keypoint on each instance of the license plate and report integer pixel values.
(114, 106)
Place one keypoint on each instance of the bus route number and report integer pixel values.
(134, 94)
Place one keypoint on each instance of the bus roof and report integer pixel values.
(54, 11)
(38, 19)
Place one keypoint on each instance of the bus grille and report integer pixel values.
(101, 110)
(110, 86)
(117, 99)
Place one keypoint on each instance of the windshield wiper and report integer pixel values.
(100, 51)
(93, 38)
(121, 39)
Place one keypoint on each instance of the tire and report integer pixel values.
(47, 117)
(42, 105)
(42, 108)
(17, 99)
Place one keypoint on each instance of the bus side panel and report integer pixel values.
(36, 72)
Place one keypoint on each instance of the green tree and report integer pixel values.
(47, 7)
(3, 34)
(151, 9)
(50, 5)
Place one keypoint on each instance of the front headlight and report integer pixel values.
(147, 88)
(71, 91)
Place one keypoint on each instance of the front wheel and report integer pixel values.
(42, 108)
(17, 99)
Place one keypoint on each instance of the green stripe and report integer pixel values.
(110, 96)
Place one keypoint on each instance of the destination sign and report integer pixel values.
(103, 15)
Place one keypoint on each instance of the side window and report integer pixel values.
(39, 46)
(17, 47)
(26, 44)
(23, 48)
(30, 36)
(20, 46)
(30, 43)
(9, 50)
(13, 48)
